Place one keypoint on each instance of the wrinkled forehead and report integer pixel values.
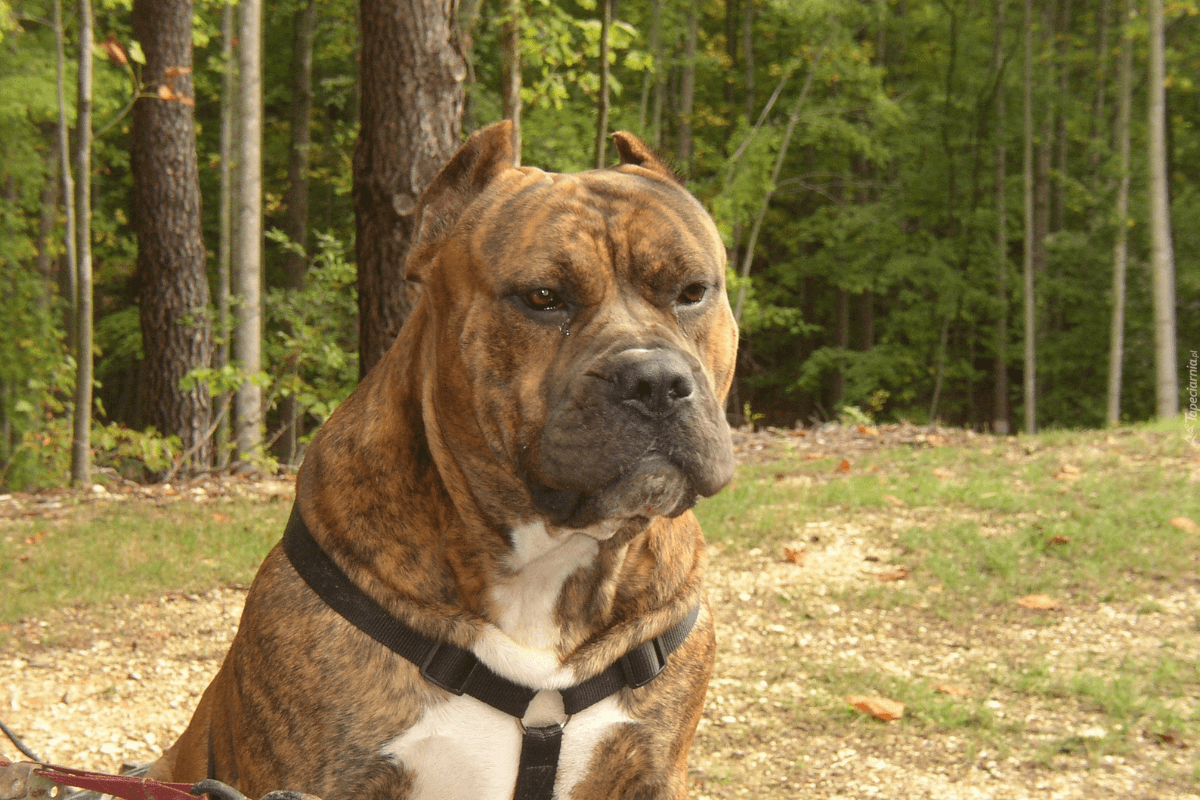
(625, 219)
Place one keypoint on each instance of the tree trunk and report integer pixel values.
(1027, 174)
(602, 100)
(1162, 257)
(652, 76)
(171, 269)
(687, 89)
(1000, 368)
(247, 256)
(81, 439)
(295, 264)
(224, 326)
(411, 113)
(1099, 125)
(748, 54)
(1116, 348)
(71, 270)
(467, 17)
(1058, 199)
(47, 216)
(510, 71)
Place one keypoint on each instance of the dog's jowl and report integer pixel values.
(491, 583)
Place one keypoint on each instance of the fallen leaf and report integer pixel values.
(1038, 602)
(1058, 538)
(219, 517)
(941, 472)
(1068, 473)
(1185, 524)
(935, 439)
(896, 501)
(1169, 739)
(844, 466)
(951, 689)
(868, 430)
(814, 456)
(936, 588)
(1070, 470)
(880, 707)
(897, 574)
(795, 555)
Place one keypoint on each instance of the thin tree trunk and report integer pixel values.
(295, 264)
(467, 17)
(224, 328)
(171, 268)
(748, 54)
(48, 212)
(510, 70)
(1058, 203)
(1116, 349)
(247, 257)
(411, 115)
(1027, 167)
(1162, 256)
(687, 89)
(1099, 123)
(653, 76)
(602, 100)
(1000, 369)
(81, 440)
(748, 259)
(68, 184)
(841, 340)
(940, 369)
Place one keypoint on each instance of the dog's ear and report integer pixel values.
(634, 151)
(487, 153)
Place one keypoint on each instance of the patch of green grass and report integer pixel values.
(97, 553)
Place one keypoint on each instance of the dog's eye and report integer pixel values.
(544, 300)
(692, 294)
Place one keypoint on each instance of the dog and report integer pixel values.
(511, 488)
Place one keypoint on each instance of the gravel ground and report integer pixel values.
(93, 688)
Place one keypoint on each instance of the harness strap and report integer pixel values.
(459, 671)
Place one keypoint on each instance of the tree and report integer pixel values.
(295, 265)
(687, 88)
(1116, 347)
(1030, 228)
(176, 327)
(81, 439)
(229, 87)
(1162, 256)
(602, 100)
(410, 121)
(247, 260)
(510, 71)
(1000, 367)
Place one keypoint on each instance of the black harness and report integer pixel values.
(459, 672)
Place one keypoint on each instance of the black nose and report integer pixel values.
(653, 381)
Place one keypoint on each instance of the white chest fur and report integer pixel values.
(463, 749)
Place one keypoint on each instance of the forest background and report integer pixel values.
(921, 199)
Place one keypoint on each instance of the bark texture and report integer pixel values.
(176, 329)
(411, 113)
(1162, 253)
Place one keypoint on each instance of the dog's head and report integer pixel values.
(580, 330)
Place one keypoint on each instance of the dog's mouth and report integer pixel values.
(656, 488)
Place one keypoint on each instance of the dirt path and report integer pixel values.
(94, 688)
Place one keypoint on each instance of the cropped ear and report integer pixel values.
(634, 151)
(486, 153)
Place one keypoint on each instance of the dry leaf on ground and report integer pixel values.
(896, 501)
(943, 473)
(952, 690)
(844, 466)
(880, 707)
(1038, 602)
(1185, 524)
(795, 555)
(1058, 538)
(897, 574)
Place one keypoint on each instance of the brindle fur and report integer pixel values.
(413, 485)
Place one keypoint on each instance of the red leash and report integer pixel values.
(26, 779)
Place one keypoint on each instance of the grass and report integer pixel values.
(97, 552)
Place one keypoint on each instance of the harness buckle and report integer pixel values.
(449, 667)
(643, 664)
